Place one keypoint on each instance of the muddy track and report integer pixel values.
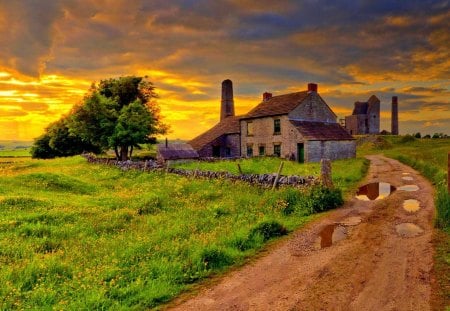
(374, 267)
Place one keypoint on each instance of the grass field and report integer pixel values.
(84, 237)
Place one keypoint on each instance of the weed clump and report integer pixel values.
(55, 182)
(151, 205)
(268, 230)
(215, 258)
(20, 203)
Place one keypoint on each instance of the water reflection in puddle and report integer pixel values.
(407, 178)
(330, 235)
(408, 230)
(411, 205)
(374, 191)
(409, 188)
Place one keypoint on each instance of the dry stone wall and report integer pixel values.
(263, 180)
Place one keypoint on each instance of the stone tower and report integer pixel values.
(373, 115)
(394, 117)
(227, 105)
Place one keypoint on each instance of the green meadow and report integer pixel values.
(77, 236)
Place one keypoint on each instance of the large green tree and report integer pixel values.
(116, 114)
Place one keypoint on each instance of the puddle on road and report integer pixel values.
(408, 230)
(350, 221)
(411, 205)
(330, 235)
(407, 178)
(409, 188)
(374, 191)
(405, 173)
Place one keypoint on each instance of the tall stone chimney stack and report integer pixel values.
(227, 105)
(394, 117)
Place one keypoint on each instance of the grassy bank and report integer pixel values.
(79, 236)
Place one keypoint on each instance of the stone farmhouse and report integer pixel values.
(298, 126)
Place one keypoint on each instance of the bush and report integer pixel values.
(268, 230)
(407, 138)
(322, 199)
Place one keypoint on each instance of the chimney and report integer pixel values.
(312, 87)
(394, 116)
(227, 104)
(266, 96)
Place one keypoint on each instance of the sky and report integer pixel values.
(51, 51)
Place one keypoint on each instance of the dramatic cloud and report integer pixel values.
(53, 50)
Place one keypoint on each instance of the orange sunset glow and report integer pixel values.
(52, 51)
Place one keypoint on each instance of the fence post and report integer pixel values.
(239, 168)
(325, 173)
(275, 182)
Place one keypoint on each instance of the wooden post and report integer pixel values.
(325, 173)
(240, 170)
(167, 166)
(275, 182)
(448, 173)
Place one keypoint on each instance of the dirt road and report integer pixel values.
(373, 264)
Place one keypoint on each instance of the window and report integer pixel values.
(249, 129)
(277, 150)
(249, 150)
(262, 150)
(216, 151)
(276, 126)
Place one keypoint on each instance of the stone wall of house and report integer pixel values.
(263, 135)
(231, 141)
(313, 108)
(330, 149)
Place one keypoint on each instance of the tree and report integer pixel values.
(59, 142)
(418, 135)
(116, 114)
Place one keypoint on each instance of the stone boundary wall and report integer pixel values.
(263, 180)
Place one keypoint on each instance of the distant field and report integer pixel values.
(86, 237)
(10, 148)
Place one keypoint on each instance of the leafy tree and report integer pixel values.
(116, 114)
(59, 142)
(418, 135)
(427, 136)
(41, 148)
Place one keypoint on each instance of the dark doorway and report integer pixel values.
(216, 152)
(300, 153)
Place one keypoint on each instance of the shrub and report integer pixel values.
(322, 199)
(268, 230)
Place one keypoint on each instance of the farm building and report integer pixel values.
(365, 118)
(175, 151)
(298, 126)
